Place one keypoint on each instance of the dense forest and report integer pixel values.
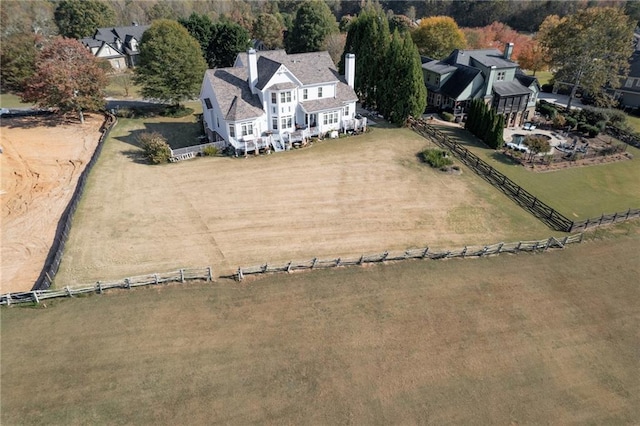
(520, 15)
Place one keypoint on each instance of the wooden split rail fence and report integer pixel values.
(422, 253)
(181, 276)
(547, 214)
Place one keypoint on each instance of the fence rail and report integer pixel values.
(181, 275)
(421, 253)
(54, 257)
(547, 214)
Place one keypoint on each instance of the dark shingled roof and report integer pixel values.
(459, 81)
(525, 80)
(510, 88)
(233, 94)
(110, 35)
(439, 67)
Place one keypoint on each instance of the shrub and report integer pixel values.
(155, 146)
(559, 121)
(570, 121)
(447, 116)
(547, 88)
(436, 158)
(125, 113)
(176, 111)
(588, 128)
(547, 110)
(209, 151)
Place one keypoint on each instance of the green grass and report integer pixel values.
(116, 90)
(543, 77)
(634, 122)
(526, 339)
(9, 100)
(578, 193)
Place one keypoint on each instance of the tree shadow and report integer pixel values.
(31, 119)
(177, 135)
(504, 159)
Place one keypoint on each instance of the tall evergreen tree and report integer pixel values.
(227, 40)
(200, 27)
(312, 24)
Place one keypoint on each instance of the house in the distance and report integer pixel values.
(118, 45)
(487, 74)
(270, 99)
(628, 94)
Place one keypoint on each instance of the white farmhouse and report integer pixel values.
(270, 99)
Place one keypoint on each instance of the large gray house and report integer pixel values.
(488, 74)
(118, 45)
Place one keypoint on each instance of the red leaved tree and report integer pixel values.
(67, 77)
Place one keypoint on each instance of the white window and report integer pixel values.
(217, 122)
(274, 97)
(274, 110)
(287, 122)
(285, 97)
(232, 130)
(305, 94)
(346, 111)
(628, 83)
(274, 123)
(319, 92)
(247, 129)
(330, 117)
(500, 76)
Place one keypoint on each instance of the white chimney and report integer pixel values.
(508, 50)
(253, 70)
(350, 69)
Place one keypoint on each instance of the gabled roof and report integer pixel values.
(459, 81)
(525, 80)
(110, 35)
(233, 94)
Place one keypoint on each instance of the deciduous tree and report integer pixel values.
(67, 77)
(312, 24)
(227, 40)
(81, 18)
(437, 36)
(171, 66)
(590, 48)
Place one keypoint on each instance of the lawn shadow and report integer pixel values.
(500, 157)
(136, 155)
(30, 119)
(178, 135)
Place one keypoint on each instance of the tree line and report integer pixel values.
(387, 45)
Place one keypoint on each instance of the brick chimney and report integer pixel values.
(253, 70)
(508, 50)
(350, 69)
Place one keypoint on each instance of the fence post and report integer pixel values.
(548, 244)
(338, 261)
(615, 215)
(384, 256)
(628, 212)
(99, 285)
(265, 267)
(289, 267)
(68, 291)
(500, 248)
(8, 299)
(34, 295)
(313, 263)
(181, 275)
(581, 237)
(361, 259)
(464, 251)
(209, 274)
(601, 217)
(127, 283)
(484, 251)
(155, 277)
(519, 245)
(564, 242)
(240, 275)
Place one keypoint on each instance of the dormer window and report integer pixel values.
(285, 97)
(500, 76)
(305, 94)
(319, 92)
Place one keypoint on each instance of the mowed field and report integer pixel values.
(41, 161)
(517, 339)
(346, 197)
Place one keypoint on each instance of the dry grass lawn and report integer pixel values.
(529, 339)
(345, 197)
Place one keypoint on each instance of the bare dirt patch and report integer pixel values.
(41, 161)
